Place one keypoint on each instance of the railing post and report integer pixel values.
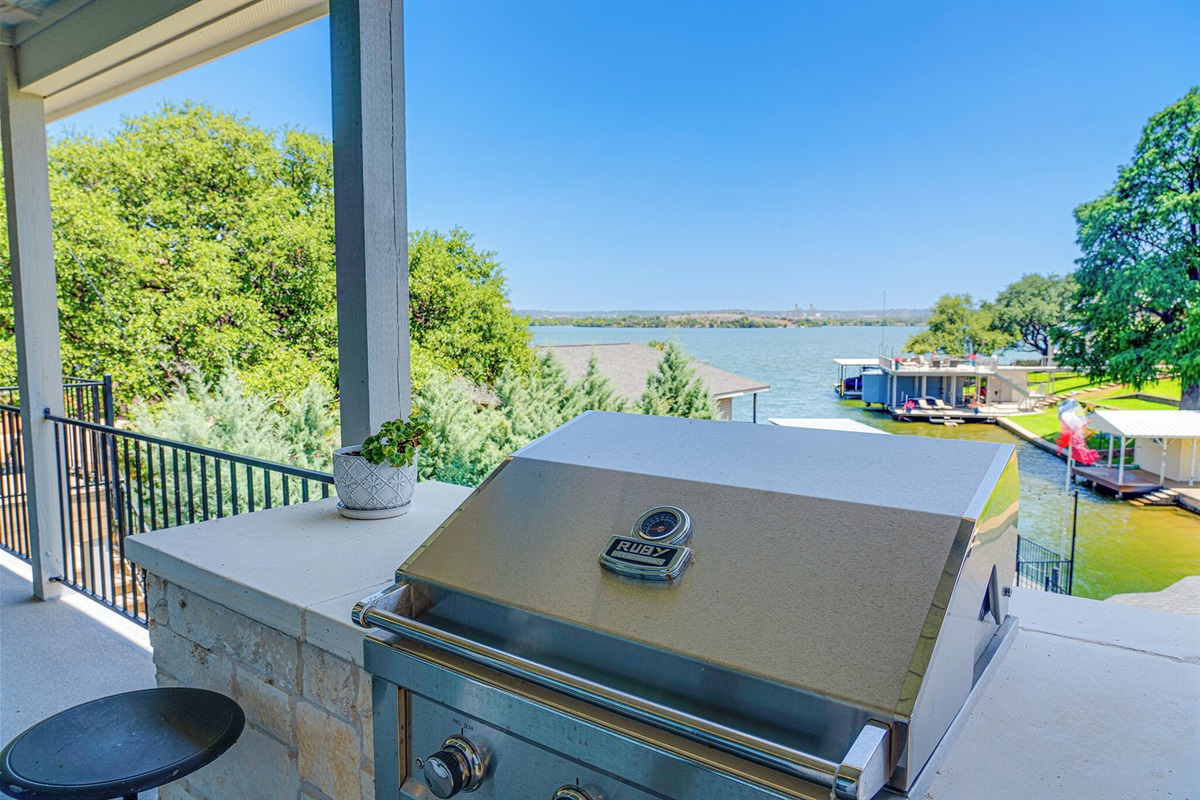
(35, 314)
(109, 410)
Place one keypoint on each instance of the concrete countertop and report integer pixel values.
(1093, 700)
(299, 569)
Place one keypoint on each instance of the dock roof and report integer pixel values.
(826, 424)
(626, 365)
(856, 362)
(1148, 424)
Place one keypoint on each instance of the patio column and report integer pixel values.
(35, 316)
(1121, 468)
(367, 55)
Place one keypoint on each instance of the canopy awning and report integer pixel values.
(1147, 424)
(834, 424)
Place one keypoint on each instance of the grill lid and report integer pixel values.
(817, 554)
(823, 573)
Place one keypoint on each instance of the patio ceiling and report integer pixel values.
(78, 53)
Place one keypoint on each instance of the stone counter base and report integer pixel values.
(308, 712)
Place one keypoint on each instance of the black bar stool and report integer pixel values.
(120, 745)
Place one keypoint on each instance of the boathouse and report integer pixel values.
(1166, 450)
(962, 384)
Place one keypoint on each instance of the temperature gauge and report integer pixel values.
(666, 524)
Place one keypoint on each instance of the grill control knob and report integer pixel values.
(571, 793)
(457, 767)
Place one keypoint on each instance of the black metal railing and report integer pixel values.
(14, 514)
(87, 400)
(1041, 568)
(115, 483)
(83, 399)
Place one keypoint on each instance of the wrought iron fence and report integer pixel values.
(87, 400)
(14, 516)
(115, 483)
(83, 399)
(1041, 568)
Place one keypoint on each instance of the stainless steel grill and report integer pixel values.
(639, 607)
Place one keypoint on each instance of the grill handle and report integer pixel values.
(859, 776)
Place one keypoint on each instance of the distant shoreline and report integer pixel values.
(725, 320)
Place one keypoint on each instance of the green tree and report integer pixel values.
(1030, 309)
(227, 415)
(192, 239)
(463, 447)
(1138, 280)
(459, 312)
(593, 392)
(959, 327)
(533, 404)
(674, 390)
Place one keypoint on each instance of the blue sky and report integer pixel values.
(746, 155)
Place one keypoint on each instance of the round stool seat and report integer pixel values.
(120, 745)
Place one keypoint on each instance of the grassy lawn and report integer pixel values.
(1074, 382)
(1063, 382)
(1044, 424)
(1135, 404)
(1171, 388)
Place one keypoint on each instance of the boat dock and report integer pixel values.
(1120, 482)
(939, 389)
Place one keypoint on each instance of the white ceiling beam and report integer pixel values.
(96, 36)
(89, 51)
(248, 26)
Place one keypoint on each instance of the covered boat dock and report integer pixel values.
(850, 372)
(1166, 450)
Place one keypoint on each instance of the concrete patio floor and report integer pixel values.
(54, 655)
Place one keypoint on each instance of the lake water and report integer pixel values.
(1120, 548)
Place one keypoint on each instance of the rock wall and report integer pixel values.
(308, 712)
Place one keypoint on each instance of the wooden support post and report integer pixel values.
(1162, 464)
(1121, 467)
(35, 316)
(367, 54)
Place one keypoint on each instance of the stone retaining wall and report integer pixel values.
(308, 712)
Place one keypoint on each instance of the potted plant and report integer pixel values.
(375, 480)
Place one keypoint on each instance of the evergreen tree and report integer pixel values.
(463, 443)
(593, 392)
(674, 391)
(534, 404)
(227, 415)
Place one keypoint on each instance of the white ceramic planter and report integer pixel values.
(372, 491)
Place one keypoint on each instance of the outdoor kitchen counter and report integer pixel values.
(298, 569)
(1093, 700)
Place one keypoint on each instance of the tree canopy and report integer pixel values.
(459, 314)
(192, 240)
(1030, 310)
(1138, 280)
(959, 327)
